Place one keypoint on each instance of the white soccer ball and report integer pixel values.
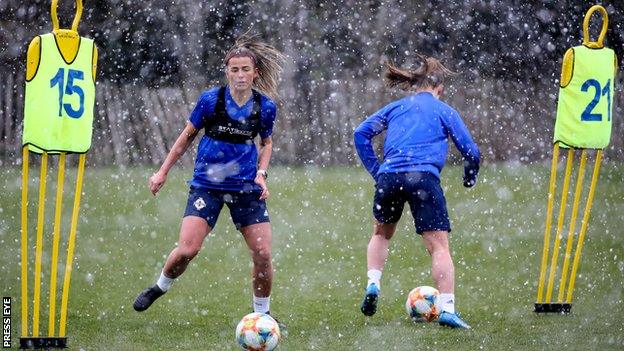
(423, 304)
(258, 332)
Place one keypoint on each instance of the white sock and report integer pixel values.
(374, 276)
(261, 304)
(447, 301)
(164, 282)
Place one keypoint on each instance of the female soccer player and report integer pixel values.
(418, 127)
(228, 168)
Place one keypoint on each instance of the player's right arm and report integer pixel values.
(197, 120)
(183, 142)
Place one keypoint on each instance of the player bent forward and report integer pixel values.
(418, 128)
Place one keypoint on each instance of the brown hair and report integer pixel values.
(266, 59)
(429, 73)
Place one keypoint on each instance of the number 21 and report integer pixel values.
(587, 114)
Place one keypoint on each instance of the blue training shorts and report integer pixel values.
(423, 193)
(245, 206)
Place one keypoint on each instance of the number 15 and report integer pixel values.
(70, 88)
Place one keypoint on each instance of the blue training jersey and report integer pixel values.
(222, 165)
(418, 127)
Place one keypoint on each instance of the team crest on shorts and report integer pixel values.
(199, 203)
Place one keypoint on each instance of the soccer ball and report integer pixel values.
(422, 304)
(258, 332)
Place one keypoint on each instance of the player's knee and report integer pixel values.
(436, 248)
(262, 256)
(384, 231)
(188, 252)
(436, 242)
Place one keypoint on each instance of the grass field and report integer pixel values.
(321, 223)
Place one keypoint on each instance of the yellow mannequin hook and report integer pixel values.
(55, 21)
(605, 24)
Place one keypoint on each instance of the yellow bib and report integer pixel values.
(585, 107)
(58, 110)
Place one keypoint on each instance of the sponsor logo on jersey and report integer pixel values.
(236, 131)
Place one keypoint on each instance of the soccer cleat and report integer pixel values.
(369, 304)
(147, 297)
(452, 320)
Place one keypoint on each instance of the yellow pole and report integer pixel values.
(71, 244)
(560, 219)
(77, 16)
(39, 245)
(55, 21)
(549, 210)
(584, 223)
(55, 245)
(24, 276)
(568, 252)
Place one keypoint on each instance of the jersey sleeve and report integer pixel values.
(458, 132)
(363, 139)
(204, 108)
(268, 114)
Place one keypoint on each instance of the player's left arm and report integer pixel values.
(363, 139)
(268, 113)
(462, 139)
(266, 148)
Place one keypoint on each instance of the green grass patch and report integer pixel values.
(322, 222)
